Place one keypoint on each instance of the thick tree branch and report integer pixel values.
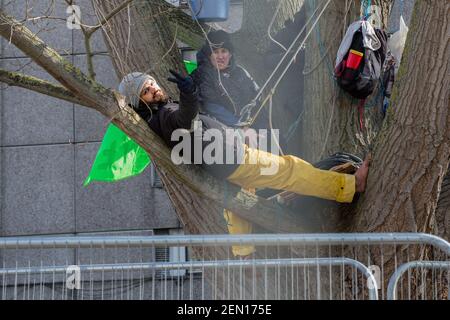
(60, 69)
(260, 211)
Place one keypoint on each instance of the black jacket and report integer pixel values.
(167, 118)
(238, 83)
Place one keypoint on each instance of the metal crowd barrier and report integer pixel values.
(286, 266)
(439, 265)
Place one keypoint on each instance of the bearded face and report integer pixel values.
(152, 93)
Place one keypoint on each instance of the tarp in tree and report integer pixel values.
(119, 156)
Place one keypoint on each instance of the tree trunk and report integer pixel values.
(145, 42)
(329, 121)
(412, 150)
(198, 214)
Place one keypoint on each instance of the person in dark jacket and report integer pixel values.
(224, 86)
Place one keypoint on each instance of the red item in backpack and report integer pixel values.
(354, 59)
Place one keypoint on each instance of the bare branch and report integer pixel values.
(109, 16)
(89, 54)
(16, 79)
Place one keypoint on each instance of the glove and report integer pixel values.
(185, 84)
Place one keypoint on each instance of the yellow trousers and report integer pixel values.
(290, 174)
(238, 225)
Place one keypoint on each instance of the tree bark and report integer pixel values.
(331, 119)
(412, 151)
(145, 42)
(411, 146)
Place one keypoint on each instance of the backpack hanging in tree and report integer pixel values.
(360, 59)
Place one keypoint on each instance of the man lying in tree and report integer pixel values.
(166, 118)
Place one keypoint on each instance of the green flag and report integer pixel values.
(119, 156)
(190, 66)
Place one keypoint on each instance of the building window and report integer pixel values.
(171, 254)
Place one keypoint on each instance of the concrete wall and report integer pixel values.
(48, 146)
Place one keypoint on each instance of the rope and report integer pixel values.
(248, 109)
(367, 6)
(284, 56)
(402, 7)
(321, 45)
(290, 62)
(300, 47)
(293, 127)
(271, 24)
(338, 159)
(271, 126)
(311, 70)
(333, 108)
